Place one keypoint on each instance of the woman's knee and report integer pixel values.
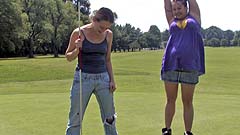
(187, 102)
(110, 120)
(171, 100)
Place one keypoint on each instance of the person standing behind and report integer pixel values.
(183, 60)
(95, 43)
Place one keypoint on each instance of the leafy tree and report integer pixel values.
(57, 14)
(125, 36)
(36, 21)
(214, 42)
(228, 35)
(154, 37)
(143, 40)
(69, 24)
(165, 35)
(213, 32)
(10, 26)
(234, 42)
(116, 37)
(224, 42)
(236, 38)
(134, 45)
(237, 35)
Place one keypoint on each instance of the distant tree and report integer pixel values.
(213, 32)
(224, 42)
(203, 33)
(228, 35)
(143, 40)
(116, 37)
(128, 35)
(214, 42)
(58, 15)
(154, 37)
(69, 23)
(36, 21)
(165, 35)
(134, 45)
(205, 42)
(234, 42)
(124, 41)
(10, 28)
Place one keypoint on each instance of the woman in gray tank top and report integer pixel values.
(93, 50)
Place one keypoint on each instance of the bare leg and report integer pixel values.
(171, 93)
(187, 99)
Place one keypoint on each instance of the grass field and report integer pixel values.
(34, 96)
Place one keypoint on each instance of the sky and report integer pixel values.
(144, 13)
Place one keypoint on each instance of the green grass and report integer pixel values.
(34, 95)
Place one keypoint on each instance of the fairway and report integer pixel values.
(34, 95)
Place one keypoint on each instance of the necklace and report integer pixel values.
(182, 23)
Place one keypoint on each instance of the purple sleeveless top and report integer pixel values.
(185, 49)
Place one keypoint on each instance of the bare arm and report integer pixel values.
(72, 51)
(168, 11)
(194, 10)
(109, 63)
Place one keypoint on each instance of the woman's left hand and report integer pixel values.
(113, 86)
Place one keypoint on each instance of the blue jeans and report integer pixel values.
(97, 84)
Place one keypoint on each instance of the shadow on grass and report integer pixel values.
(49, 57)
(14, 58)
(35, 57)
(128, 72)
(29, 92)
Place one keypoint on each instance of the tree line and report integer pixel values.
(29, 27)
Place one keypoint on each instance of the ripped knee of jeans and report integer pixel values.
(110, 120)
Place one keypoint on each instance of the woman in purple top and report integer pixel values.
(183, 60)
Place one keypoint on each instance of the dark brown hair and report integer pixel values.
(104, 14)
(184, 2)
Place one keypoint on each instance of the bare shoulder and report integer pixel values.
(75, 33)
(85, 27)
(109, 37)
(75, 30)
(109, 33)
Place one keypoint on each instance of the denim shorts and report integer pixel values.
(188, 77)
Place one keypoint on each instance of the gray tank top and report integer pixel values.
(92, 58)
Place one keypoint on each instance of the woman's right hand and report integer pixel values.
(78, 43)
(75, 43)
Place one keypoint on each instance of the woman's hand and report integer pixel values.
(113, 86)
(78, 43)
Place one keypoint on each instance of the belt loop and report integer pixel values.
(179, 74)
(77, 68)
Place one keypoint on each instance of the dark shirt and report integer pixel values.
(93, 56)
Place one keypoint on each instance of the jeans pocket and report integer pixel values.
(105, 77)
(76, 76)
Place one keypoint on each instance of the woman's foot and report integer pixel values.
(166, 131)
(188, 133)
